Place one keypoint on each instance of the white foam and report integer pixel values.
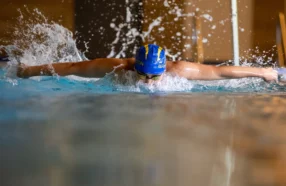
(169, 83)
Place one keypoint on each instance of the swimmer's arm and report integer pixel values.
(94, 68)
(195, 71)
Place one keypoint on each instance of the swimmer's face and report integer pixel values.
(148, 78)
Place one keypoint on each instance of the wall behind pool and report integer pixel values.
(257, 19)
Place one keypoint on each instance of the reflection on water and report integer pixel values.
(136, 139)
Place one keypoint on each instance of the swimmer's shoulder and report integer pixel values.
(179, 65)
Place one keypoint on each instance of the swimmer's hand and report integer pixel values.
(270, 75)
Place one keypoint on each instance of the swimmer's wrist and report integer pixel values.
(269, 74)
(22, 71)
(263, 72)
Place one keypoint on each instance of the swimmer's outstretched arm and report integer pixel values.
(94, 68)
(195, 71)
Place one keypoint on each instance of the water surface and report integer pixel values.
(144, 139)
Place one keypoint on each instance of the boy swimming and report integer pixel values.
(149, 64)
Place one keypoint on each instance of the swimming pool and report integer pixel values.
(71, 130)
(109, 131)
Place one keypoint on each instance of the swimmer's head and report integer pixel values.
(151, 60)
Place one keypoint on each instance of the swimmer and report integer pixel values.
(149, 64)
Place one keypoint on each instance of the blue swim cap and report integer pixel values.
(150, 59)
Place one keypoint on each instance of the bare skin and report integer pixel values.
(193, 71)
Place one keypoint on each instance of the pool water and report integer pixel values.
(81, 138)
(75, 131)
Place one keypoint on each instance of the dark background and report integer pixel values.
(92, 24)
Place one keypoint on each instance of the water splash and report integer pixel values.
(40, 41)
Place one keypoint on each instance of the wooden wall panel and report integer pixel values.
(218, 32)
(218, 41)
(257, 19)
(264, 24)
